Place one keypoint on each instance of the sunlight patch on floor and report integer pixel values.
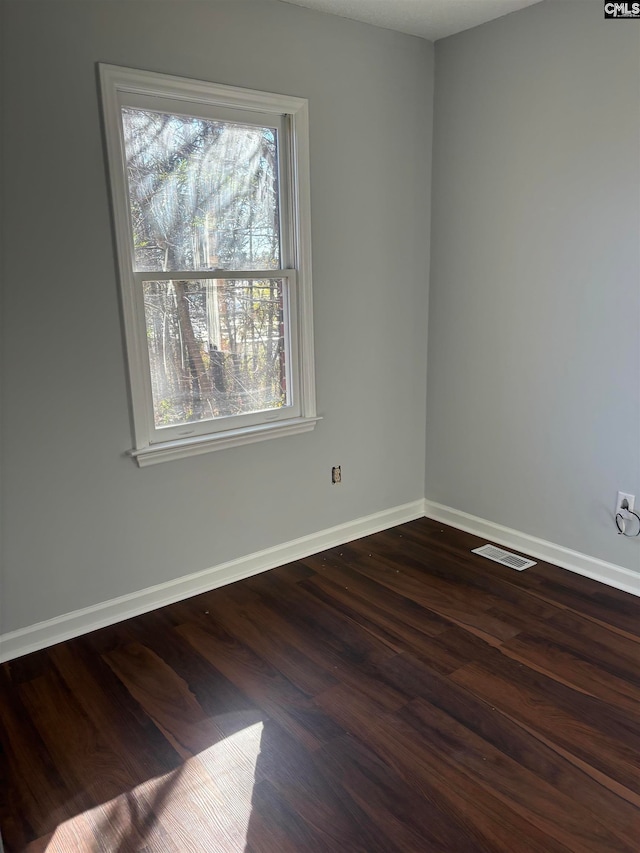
(202, 806)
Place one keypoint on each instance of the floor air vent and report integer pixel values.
(505, 558)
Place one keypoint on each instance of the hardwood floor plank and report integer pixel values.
(394, 633)
(41, 845)
(599, 644)
(310, 794)
(540, 803)
(215, 782)
(78, 834)
(340, 633)
(604, 716)
(204, 808)
(35, 789)
(293, 572)
(394, 694)
(333, 641)
(270, 691)
(459, 606)
(218, 698)
(523, 619)
(168, 701)
(523, 745)
(82, 756)
(132, 736)
(27, 667)
(575, 730)
(278, 829)
(444, 558)
(488, 820)
(549, 655)
(338, 568)
(413, 821)
(91, 771)
(251, 624)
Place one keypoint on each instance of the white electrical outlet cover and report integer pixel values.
(623, 496)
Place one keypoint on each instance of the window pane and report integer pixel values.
(202, 194)
(216, 348)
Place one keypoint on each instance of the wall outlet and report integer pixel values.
(620, 503)
(336, 474)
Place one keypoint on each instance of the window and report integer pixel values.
(210, 190)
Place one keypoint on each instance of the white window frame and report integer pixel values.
(121, 87)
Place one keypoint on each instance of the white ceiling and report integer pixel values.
(431, 19)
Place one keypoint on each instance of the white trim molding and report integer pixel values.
(288, 117)
(78, 622)
(574, 561)
(178, 449)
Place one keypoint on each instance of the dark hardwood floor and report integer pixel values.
(394, 694)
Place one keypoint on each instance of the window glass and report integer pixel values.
(216, 348)
(203, 194)
(211, 211)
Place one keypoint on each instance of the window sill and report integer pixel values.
(183, 447)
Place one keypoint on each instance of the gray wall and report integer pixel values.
(82, 523)
(533, 414)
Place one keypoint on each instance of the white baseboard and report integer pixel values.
(574, 561)
(44, 634)
(78, 622)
